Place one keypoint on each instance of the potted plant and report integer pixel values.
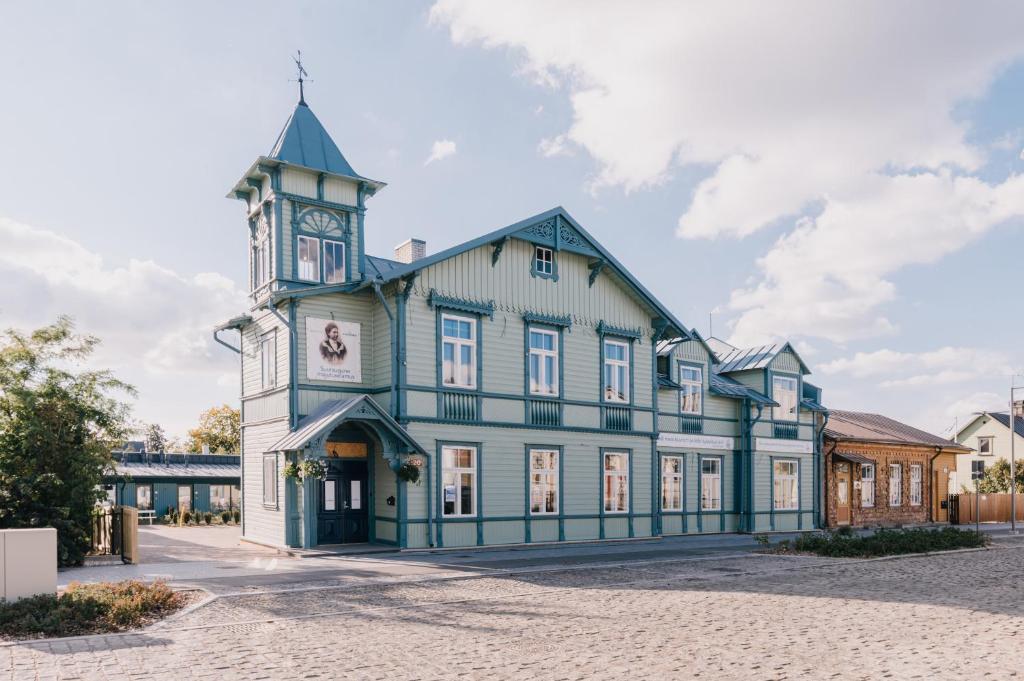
(409, 472)
(313, 468)
(291, 470)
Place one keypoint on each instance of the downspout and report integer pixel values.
(819, 470)
(931, 483)
(750, 524)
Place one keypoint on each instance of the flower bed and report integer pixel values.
(89, 609)
(883, 542)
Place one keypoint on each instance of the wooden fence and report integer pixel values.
(995, 508)
(115, 532)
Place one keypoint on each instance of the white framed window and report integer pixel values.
(671, 483)
(691, 379)
(895, 484)
(268, 360)
(458, 339)
(309, 258)
(784, 391)
(270, 479)
(915, 484)
(616, 482)
(144, 497)
(543, 362)
(220, 498)
(334, 262)
(710, 484)
(616, 371)
(867, 485)
(543, 481)
(785, 484)
(986, 446)
(261, 264)
(544, 261)
(458, 481)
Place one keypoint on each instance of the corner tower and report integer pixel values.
(306, 207)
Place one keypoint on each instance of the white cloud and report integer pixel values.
(554, 146)
(441, 149)
(948, 365)
(836, 119)
(155, 323)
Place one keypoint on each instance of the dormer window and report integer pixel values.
(784, 391)
(691, 382)
(544, 261)
(309, 259)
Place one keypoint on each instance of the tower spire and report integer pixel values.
(302, 72)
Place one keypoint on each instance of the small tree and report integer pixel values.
(156, 440)
(997, 478)
(57, 427)
(219, 428)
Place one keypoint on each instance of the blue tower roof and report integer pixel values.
(304, 142)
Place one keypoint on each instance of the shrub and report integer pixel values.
(888, 542)
(88, 609)
(237, 516)
(225, 517)
(186, 517)
(208, 517)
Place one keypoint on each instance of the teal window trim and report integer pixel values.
(770, 375)
(703, 386)
(555, 331)
(528, 514)
(799, 496)
(438, 301)
(630, 492)
(314, 243)
(272, 502)
(343, 220)
(478, 359)
(661, 482)
(538, 253)
(478, 517)
(628, 342)
(700, 487)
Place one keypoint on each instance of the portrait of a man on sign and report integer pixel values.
(333, 351)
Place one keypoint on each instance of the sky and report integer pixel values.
(846, 176)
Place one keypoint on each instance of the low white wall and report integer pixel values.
(28, 563)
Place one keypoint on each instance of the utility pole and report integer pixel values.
(1013, 462)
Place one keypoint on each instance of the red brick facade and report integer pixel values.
(882, 513)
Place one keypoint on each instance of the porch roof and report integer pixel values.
(330, 414)
(852, 457)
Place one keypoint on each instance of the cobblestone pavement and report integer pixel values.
(948, 616)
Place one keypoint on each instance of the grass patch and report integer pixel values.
(88, 609)
(846, 544)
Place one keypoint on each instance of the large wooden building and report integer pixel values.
(880, 472)
(536, 388)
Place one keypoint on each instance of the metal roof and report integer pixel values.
(381, 266)
(141, 466)
(305, 142)
(491, 237)
(853, 457)
(727, 387)
(1018, 423)
(740, 359)
(812, 405)
(328, 415)
(854, 425)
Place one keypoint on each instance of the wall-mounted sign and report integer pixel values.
(771, 444)
(695, 441)
(333, 351)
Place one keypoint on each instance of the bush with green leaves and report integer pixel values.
(885, 542)
(208, 518)
(58, 424)
(237, 516)
(88, 609)
(225, 517)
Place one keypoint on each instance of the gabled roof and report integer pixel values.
(328, 415)
(1018, 423)
(666, 347)
(855, 425)
(741, 359)
(305, 142)
(380, 266)
(557, 212)
(720, 347)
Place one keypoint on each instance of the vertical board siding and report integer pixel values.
(786, 361)
(261, 523)
(262, 324)
(337, 190)
(347, 308)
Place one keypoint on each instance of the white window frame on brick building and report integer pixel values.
(867, 485)
(895, 485)
(916, 495)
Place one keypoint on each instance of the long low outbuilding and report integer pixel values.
(162, 482)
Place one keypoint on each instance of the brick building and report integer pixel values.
(882, 472)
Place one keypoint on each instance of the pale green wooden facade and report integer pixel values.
(493, 282)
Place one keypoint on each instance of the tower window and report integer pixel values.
(334, 262)
(309, 258)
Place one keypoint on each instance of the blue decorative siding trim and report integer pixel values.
(516, 396)
(498, 247)
(436, 300)
(605, 329)
(550, 320)
(310, 201)
(320, 186)
(256, 184)
(595, 270)
(360, 222)
(528, 426)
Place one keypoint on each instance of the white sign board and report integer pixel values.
(769, 444)
(695, 441)
(333, 351)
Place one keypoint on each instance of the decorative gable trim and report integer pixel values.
(436, 300)
(550, 320)
(609, 330)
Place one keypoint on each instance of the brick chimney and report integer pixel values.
(411, 250)
(1018, 408)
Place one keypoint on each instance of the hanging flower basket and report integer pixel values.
(409, 472)
(314, 468)
(291, 471)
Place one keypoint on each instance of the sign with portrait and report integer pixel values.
(333, 351)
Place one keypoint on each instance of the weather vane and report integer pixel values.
(302, 72)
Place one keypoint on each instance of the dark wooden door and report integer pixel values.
(342, 515)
